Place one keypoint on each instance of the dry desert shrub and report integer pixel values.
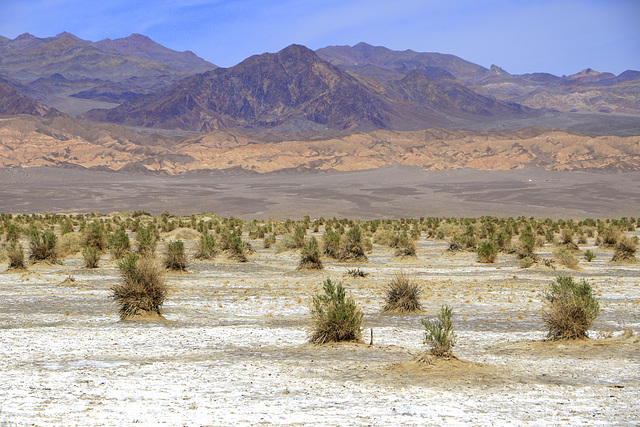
(142, 287)
(356, 272)
(292, 241)
(526, 246)
(175, 257)
(42, 245)
(405, 246)
(231, 243)
(439, 333)
(571, 309)
(91, 256)
(625, 250)
(526, 262)
(310, 256)
(269, 241)
(352, 247)
(95, 236)
(206, 247)
(15, 255)
(609, 237)
(566, 258)
(403, 295)
(69, 244)
(337, 318)
(566, 240)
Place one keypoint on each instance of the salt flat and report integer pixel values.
(234, 350)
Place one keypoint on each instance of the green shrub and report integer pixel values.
(206, 248)
(501, 240)
(589, 255)
(142, 287)
(403, 295)
(91, 256)
(233, 245)
(572, 309)
(15, 255)
(439, 333)
(42, 245)
(146, 241)
(336, 317)
(12, 232)
(625, 250)
(119, 244)
(310, 256)
(487, 252)
(526, 245)
(175, 258)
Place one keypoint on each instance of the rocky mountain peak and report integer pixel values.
(497, 70)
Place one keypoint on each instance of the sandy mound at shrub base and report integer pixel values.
(451, 371)
(145, 317)
(586, 348)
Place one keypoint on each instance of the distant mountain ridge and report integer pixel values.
(587, 91)
(297, 90)
(135, 81)
(120, 68)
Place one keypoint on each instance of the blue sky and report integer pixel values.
(556, 36)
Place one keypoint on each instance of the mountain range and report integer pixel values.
(292, 99)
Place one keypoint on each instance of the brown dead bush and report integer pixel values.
(403, 295)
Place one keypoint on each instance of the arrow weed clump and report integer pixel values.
(439, 333)
(625, 250)
(352, 247)
(95, 236)
(487, 252)
(572, 309)
(206, 248)
(403, 295)
(337, 318)
(91, 256)
(15, 255)
(146, 240)
(119, 243)
(589, 255)
(175, 258)
(42, 244)
(310, 256)
(142, 287)
(566, 258)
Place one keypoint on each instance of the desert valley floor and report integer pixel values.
(388, 192)
(234, 349)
